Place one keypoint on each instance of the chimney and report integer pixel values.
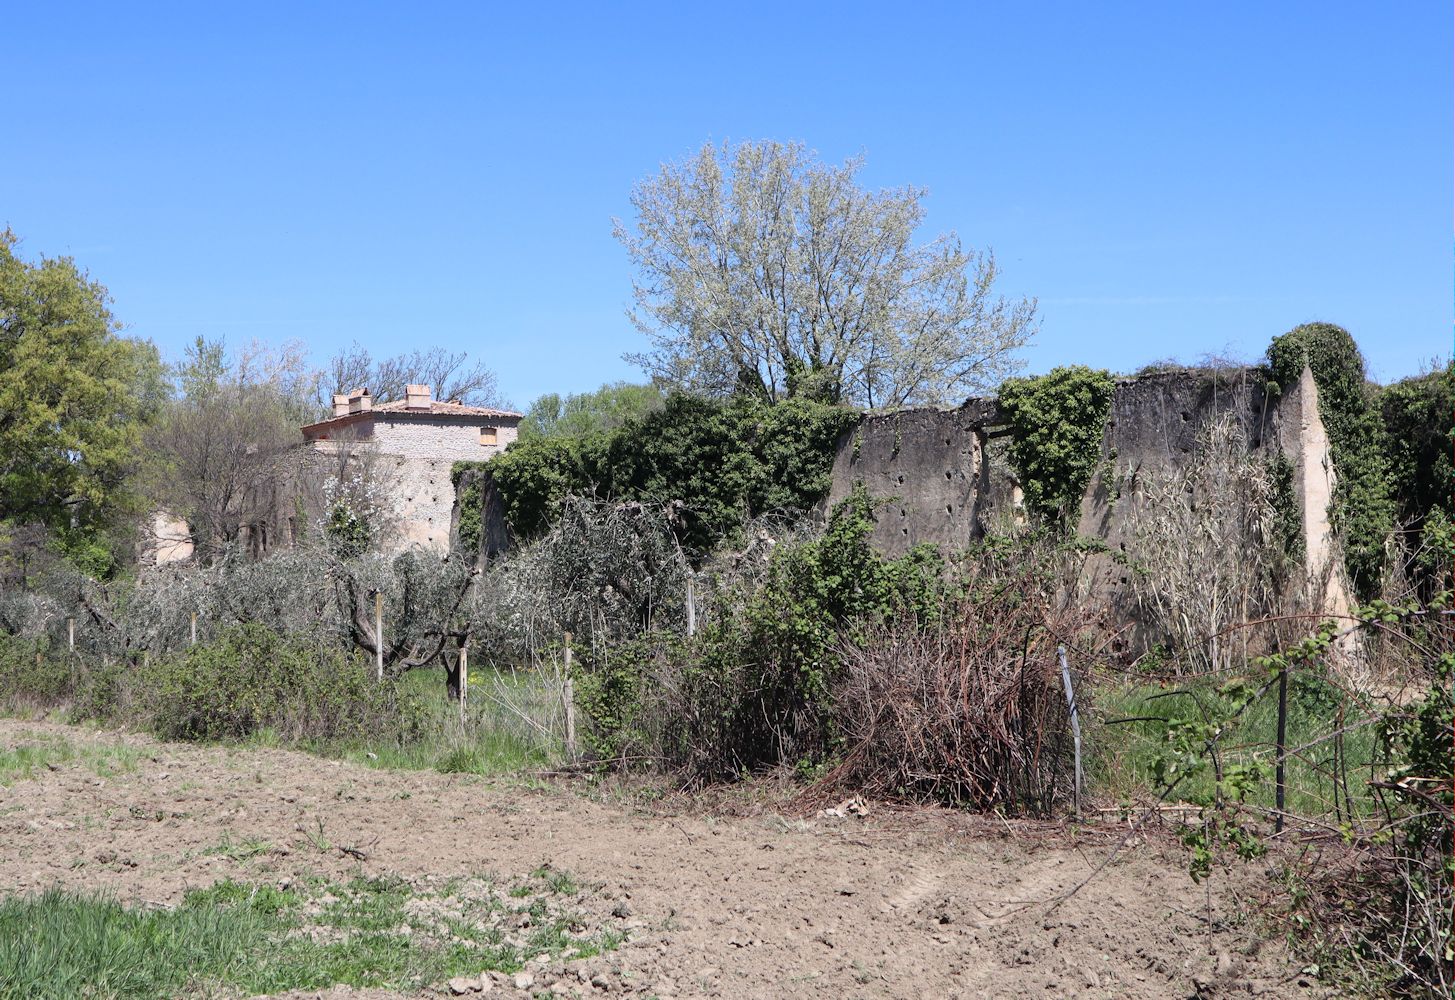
(340, 404)
(416, 397)
(360, 401)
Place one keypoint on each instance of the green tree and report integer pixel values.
(577, 414)
(1419, 421)
(724, 461)
(74, 400)
(762, 270)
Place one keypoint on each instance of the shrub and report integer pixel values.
(535, 477)
(970, 712)
(1413, 928)
(250, 678)
(30, 674)
(963, 703)
(724, 461)
(616, 701)
(1420, 431)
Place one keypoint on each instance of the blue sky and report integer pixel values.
(1169, 179)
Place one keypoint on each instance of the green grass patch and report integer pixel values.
(62, 945)
(40, 752)
(505, 731)
(1124, 756)
(239, 850)
(378, 931)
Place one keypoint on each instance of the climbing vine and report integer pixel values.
(1057, 422)
(469, 500)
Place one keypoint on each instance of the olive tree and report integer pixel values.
(761, 268)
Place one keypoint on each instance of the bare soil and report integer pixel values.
(900, 903)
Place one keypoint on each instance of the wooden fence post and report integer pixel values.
(194, 629)
(1075, 721)
(691, 605)
(71, 635)
(464, 678)
(568, 695)
(379, 633)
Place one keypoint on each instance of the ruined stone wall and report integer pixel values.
(941, 477)
(929, 467)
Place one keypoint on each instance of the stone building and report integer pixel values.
(412, 444)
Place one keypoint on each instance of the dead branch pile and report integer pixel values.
(968, 711)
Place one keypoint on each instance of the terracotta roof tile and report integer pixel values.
(401, 408)
(451, 409)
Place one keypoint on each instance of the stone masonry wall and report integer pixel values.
(418, 454)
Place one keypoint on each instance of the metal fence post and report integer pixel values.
(1278, 770)
(1075, 721)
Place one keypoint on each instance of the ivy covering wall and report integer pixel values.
(1363, 508)
(1057, 421)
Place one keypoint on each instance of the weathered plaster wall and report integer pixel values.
(440, 437)
(928, 467)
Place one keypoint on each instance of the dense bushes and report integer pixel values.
(895, 677)
(247, 680)
(754, 687)
(1421, 884)
(29, 674)
(968, 710)
(727, 462)
(1419, 421)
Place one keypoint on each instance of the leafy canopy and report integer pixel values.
(760, 269)
(580, 413)
(74, 398)
(725, 461)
